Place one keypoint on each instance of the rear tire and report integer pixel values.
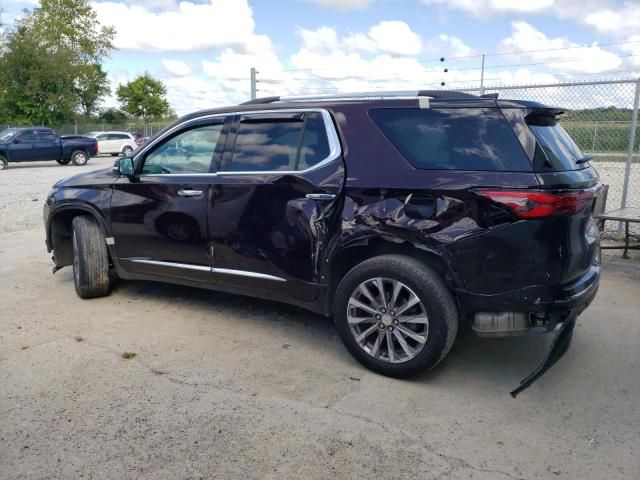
(416, 347)
(90, 258)
(63, 161)
(4, 164)
(79, 158)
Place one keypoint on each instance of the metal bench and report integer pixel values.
(625, 215)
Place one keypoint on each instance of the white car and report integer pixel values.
(114, 143)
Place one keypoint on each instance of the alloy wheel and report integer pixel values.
(388, 320)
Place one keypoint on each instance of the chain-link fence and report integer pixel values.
(601, 121)
(82, 127)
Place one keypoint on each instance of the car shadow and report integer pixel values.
(497, 363)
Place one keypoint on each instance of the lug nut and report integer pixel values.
(383, 310)
(395, 321)
(392, 313)
(378, 317)
(381, 325)
(390, 328)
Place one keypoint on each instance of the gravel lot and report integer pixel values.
(229, 387)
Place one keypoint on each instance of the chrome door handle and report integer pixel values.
(324, 197)
(189, 193)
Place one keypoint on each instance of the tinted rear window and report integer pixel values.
(453, 138)
(560, 151)
(267, 144)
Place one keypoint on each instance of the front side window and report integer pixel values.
(189, 151)
(288, 143)
(27, 136)
(453, 138)
(7, 134)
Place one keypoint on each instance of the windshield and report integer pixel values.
(7, 134)
(560, 149)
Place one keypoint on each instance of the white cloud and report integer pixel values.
(579, 59)
(192, 26)
(486, 8)
(176, 68)
(390, 36)
(448, 46)
(395, 37)
(344, 5)
(632, 48)
(618, 22)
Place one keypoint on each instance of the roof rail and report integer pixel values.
(346, 97)
(444, 94)
(259, 101)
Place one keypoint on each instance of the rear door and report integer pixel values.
(276, 201)
(117, 142)
(159, 215)
(48, 146)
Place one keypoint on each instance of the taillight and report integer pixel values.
(538, 204)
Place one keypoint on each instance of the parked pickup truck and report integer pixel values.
(32, 144)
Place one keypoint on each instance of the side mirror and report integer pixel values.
(124, 166)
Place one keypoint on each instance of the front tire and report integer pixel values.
(90, 258)
(79, 158)
(4, 164)
(395, 315)
(63, 161)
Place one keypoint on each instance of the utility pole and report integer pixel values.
(253, 83)
(482, 76)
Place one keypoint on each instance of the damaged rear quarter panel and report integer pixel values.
(435, 211)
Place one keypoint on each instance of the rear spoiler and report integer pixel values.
(546, 113)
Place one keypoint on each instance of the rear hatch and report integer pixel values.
(569, 187)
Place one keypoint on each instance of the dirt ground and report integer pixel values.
(223, 386)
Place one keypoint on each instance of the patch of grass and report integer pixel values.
(78, 339)
(128, 355)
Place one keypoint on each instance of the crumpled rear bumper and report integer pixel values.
(559, 347)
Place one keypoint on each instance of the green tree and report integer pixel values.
(91, 85)
(113, 116)
(144, 97)
(48, 63)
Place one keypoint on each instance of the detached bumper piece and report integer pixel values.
(559, 347)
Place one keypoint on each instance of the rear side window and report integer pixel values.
(288, 143)
(48, 137)
(560, 151)
(453, 138)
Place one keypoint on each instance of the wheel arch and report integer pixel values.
(350, 256)
(59, 230)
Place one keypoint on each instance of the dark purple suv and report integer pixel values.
(404, 215)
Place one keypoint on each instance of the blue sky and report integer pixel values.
(203, 49)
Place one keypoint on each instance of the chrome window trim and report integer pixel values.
(335, 149)
(202, 268)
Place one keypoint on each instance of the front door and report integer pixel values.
(275, 202)
(159, 215)
(23, 149)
